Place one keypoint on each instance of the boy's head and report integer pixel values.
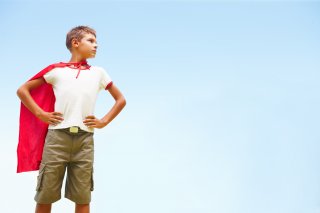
(76, 34)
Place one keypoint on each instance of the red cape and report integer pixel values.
(33, 131)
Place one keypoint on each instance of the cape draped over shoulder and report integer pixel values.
(33, 131)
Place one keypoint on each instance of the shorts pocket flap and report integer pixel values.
(40, 177)
(92, 181)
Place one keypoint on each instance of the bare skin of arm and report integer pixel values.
(93, 122)
(24, 94)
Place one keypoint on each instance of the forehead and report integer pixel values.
(88, 36)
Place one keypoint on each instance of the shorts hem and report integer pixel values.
(78, 201)
(46, 202)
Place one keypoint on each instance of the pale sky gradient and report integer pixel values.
(222, 110)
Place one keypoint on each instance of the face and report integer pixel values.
(87, 47)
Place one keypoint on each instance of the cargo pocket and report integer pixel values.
(40, 177)
(92, 181)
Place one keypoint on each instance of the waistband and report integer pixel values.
(72, 130)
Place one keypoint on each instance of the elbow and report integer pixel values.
(122, 101)
(19, 92)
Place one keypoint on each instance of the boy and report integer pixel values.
(57, 123)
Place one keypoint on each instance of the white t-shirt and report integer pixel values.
(76, 93)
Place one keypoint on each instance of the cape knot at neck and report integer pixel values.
(82, 65)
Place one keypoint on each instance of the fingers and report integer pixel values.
(90, 121)
(54, 123)
(90, 117)
(57, 113)
(55, 118)
(91, 125)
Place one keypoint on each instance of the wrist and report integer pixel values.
(104, 122)
(38, 113)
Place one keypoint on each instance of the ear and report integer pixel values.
(74, 42)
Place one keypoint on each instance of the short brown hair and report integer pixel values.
(78, 33)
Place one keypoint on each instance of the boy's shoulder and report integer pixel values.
(53, 66)
(47, 69)
(95, 67)
(99, 69)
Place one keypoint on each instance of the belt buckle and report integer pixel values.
(74, 129)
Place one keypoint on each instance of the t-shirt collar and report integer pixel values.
(81, 65)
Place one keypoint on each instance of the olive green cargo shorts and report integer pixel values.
(66, 150)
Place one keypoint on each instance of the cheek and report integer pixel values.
(84, 48)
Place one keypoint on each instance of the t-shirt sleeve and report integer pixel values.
(106, 81)
(49, 76)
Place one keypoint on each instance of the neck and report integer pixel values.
(76, 59)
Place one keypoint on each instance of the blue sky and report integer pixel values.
(222, 106)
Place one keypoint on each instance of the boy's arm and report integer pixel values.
(93, 122)
(24, 94)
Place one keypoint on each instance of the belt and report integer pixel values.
(74, 129)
